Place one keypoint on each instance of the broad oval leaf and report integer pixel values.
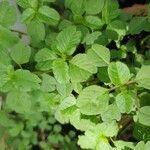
(67, 103)
(7, 38)
(5, 70)
(81, 68)
(93, 100)
(4, 57)
(93, 22)
(144, 115)
(125, 102)
(110, 11)
(76, 6)
(44, 59)
(119, 73)
(143, 77)
(48, 15)
(99, 55)
(7, 14)
(112, 113)
(48, 83)
(90, 38)
(20, 53)
(23, 80)
(23, 3)
(137, 24)
(28, 15)
(18, 101)
(33, 27)
(67, 40)
(61, 71)
(118, 26)
(94, 7)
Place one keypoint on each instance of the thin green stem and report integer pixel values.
(119, 86)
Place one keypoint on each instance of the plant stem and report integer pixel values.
(126, 84)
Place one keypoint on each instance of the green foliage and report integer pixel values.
(82, 81)
(119, 73)
(7, 14)
(93, 100)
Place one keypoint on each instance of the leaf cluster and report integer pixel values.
(86, 65)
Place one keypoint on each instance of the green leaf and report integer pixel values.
(90, 38)
(103, 74)
(23, 80)
(64, 89)
(32, 28)
(50, 40)
(88, 141)
(120, 145)
(81, 68)
(23, 3)
(119, 73)
(76, 6)
(93, 100)
(7, 38)
(28, 15)
(44, 59)
(7, 14)
(143, 146)
(4, 58)
(96, 138)
(141, 132)
(118, 26)
(110, 11)
(34, 4)
(93, 22)
(4, 120)
(77, 87)
(65, 109)
(20, 53)
(144, 115)
(67, 40)
(99, 55)
(28, 3)
(143, 77)
(18, 101)
(94, 7)
(108, 129)
(125, 102)
(140, 145)
(112, 113)
(64, 24)
(80, 123)
(16, 129)
(49, 1)
(137, 24)
(48, 15)
(67, 103)
(26, 79)
(4, 74)
(61, 71)
(48, 83)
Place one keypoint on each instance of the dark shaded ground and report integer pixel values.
(128, 3)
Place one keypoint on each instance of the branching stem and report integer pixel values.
(119, 86)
